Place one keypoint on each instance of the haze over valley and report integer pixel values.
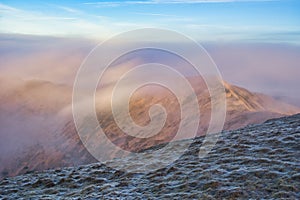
(37, 127)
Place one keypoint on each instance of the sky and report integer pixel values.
(204, 20)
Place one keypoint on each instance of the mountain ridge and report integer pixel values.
(54, 142)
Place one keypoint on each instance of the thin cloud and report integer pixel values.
(165, 17)
(8, 9)
(50, 18)
(70, 10)
(120, 3)
(104, 4)
(205, 1)
(154, 14)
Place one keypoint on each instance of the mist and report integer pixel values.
(37, 75)
(262, 67)
(272, 69)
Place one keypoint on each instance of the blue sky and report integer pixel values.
(205, 20)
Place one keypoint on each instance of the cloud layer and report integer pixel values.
(262, 67)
